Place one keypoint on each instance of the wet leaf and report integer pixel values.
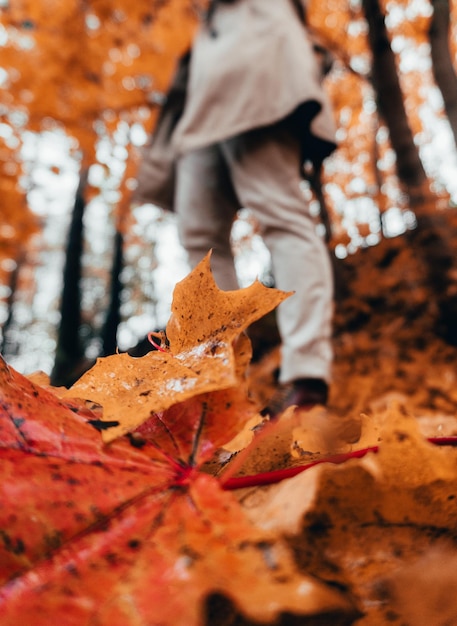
(207, 353)
(134, 533)
(157, 562)
(127, 534)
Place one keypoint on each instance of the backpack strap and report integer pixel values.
(300, 8)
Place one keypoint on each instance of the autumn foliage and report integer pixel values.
(88, 68)
(115, 506)
(153, 491)
(133, 532)
(82, 69)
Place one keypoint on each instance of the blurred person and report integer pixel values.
(245, 112)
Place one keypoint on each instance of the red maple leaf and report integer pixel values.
(133, 532)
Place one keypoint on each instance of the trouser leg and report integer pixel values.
(206, 206)
(265, 173)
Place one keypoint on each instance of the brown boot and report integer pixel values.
(304, 393)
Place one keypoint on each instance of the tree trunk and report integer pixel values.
(69, 359)
(113, 317)
(6, 346)
(391, 106)
(443, 68)
(430, 239)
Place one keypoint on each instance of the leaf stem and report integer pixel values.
(276, 476)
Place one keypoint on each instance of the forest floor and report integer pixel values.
(374, 515)
(383, 530)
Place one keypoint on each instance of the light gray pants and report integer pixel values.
(260, 170)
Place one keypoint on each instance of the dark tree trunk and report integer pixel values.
(69, 359)
(430, 239)
(391, 106)
(443, 68)
(8, 347)
(113, 317)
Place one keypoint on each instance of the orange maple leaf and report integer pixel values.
(208, 353)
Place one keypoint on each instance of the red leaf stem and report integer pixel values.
(157, 346)
(275, 476)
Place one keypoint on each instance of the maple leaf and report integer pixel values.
(134, 533)
(50, 459)
(97, 534)
(207, 353)
(203, 314)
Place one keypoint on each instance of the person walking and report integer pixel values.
(246, 111)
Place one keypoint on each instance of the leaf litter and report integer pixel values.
(330, 545)
(127, 529)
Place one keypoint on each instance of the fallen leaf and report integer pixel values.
(57, 477)
(207, 353)
(96, 534)
(423, 592)
(355, 524)
(134, 532)
(201, 312)
(159, 561)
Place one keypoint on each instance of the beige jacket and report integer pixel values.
(253, 66)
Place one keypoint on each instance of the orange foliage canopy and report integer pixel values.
(132, 532)
(75, 63)
(89, 66)
(83, 67)
(17, 224)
